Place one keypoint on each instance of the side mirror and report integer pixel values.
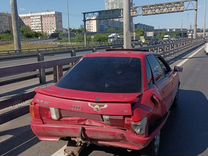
(178, 69)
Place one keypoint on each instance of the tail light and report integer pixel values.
(139, 119)
(140, 127)
(34, 110)
(55, 114)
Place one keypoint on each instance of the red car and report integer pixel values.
(120, 99)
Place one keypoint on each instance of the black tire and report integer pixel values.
(153, 148)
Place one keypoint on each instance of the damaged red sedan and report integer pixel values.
(120, 99)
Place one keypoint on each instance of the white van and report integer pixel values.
(166, 37)
(206, 48)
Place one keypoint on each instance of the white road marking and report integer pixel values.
(60, 152)
(185, 60)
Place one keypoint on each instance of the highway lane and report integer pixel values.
(185, 133)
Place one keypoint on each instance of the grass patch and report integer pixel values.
(10, 47)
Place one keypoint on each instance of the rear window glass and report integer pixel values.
(110, 75)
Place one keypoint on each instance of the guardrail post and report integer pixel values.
(42, 75)
(57, 73)
(73, 53)
(158, 50)
(94, 50)
(165, 48)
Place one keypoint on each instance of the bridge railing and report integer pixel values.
(12, 102)
(54, 50)
(168, 51)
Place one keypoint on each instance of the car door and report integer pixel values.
(170, 78)
(161, 82)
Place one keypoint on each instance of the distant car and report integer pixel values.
(120, 99)
(206, 48)
(166, 37)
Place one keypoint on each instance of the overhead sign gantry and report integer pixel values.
(146, 10)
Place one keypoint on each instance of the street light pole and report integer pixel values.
(205, 16)
(69, 37)
(15, 25)
(195, 20)
(85, 30)
(127, 24)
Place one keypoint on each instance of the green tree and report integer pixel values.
(101, 38)
(161, 35)
(78, 38)
(77, 31)
(28, 33)
(6, 36)
(139, 33)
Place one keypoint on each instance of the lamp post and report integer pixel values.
(69, 37)
(195, 20)
(205, 16)
(127, 24)
(15, 25)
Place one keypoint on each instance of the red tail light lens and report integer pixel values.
(34, 110)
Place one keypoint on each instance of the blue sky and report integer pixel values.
(78, 6)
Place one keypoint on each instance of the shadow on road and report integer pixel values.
(94, 150)
(21, 140)
(186, 131)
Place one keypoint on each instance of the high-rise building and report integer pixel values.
(144, 27)
(46, 22)
(5, 22)
(113, 4)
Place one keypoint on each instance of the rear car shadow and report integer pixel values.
(186, 131)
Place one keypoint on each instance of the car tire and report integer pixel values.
(153, 148)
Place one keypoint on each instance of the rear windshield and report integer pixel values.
(109, 75)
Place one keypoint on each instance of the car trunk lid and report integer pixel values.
(88, 96)
(76, 107)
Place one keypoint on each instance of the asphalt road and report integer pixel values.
(185, 133)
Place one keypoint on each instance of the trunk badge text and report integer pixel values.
(97, 107)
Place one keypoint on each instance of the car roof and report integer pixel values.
(131, 54)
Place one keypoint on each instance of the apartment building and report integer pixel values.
(45, 22)
(5, 22)
(144, 27)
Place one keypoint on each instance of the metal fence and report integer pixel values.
(53, 50)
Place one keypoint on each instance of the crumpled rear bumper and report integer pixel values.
(108, 136)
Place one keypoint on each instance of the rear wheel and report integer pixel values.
(153, 148)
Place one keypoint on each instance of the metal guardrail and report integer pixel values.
(168, 51)
(57, 66)
(52, 50)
